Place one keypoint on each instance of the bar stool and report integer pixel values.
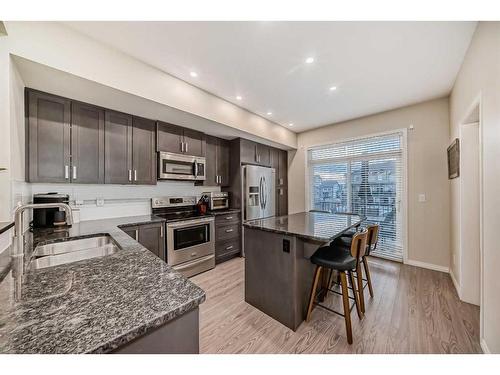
(371, 244)
(337, 259)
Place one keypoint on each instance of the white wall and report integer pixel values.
(428, 222)
(479, 77)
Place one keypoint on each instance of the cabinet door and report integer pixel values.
(169, 137)
(248, 151)
(263, 155)
(118, 148)
(223, 156)
(283, 169)
(194, 143)
(132, 231)
(143, 151)
(211, 159)
(48, 134)
(87, 144)
(151, 237)
(282, 199)
(275, 164)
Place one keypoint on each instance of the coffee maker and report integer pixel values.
(49, 217)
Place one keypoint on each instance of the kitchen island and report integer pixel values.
(278, 273)
(127, 302)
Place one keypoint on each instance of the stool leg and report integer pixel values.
(347, 312)
(356, 299)
(317, 273)
(360, 288)
(367, 273)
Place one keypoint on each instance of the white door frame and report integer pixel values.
(477, 102)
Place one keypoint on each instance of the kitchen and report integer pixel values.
(185, 221)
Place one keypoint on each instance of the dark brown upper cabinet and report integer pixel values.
(143, 149)
(48, 135)
(279, 161)
(254, 153)
(217, 167)
(130, 149)
(118, 148)
(179, 140)
(87, 144)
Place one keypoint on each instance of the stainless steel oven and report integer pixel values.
(191, 245)
(180, 167)
(217, 200)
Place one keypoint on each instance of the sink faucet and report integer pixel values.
(18, 243)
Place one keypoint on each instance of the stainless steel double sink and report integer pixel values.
(70, 251)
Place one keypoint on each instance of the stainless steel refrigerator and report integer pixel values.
(258, 192)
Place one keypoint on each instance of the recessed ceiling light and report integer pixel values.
(333, 88)
(193, 74)
(290, 124)
(269, 113)
(238, 97)
(309, 60)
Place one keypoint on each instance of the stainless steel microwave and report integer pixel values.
(180, 167)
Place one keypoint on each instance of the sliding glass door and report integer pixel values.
(363, 176)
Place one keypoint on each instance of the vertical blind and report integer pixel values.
(364, 176)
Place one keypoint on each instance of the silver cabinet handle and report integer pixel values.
(281, 181)
(66, 172)
(195, 169)
(130, 174)
(135, 174)
(229, 217)
(229, 247)
(74, 172)
(161, 231)
(137, 234)
(229, 230)
(182, 146)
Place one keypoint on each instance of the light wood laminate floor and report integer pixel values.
(414, 310)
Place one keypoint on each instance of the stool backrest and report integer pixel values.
(373, 231)
(358, 244)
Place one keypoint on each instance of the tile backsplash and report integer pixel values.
(119, 200)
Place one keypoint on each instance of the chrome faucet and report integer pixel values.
(18, 243)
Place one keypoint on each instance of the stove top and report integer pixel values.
(180, 215)
(176, 208)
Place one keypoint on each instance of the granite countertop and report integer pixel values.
(316, 226)
(224, 211)
(95, 305)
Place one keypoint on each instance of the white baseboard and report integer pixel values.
(456, 284)
(430, 266)
(485, 348)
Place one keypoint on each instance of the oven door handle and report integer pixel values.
(190, 223)
(194, 262)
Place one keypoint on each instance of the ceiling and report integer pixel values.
(375, 66)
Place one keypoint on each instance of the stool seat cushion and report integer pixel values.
(337, 258)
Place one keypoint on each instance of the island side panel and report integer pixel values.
(179, 336)
(276, 281)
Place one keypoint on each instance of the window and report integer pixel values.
(364, 176)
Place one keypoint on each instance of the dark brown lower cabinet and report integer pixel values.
(227, 236)
(150, 235)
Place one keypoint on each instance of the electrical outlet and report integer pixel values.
(422, 198)
(99, 202)
(78, 203)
